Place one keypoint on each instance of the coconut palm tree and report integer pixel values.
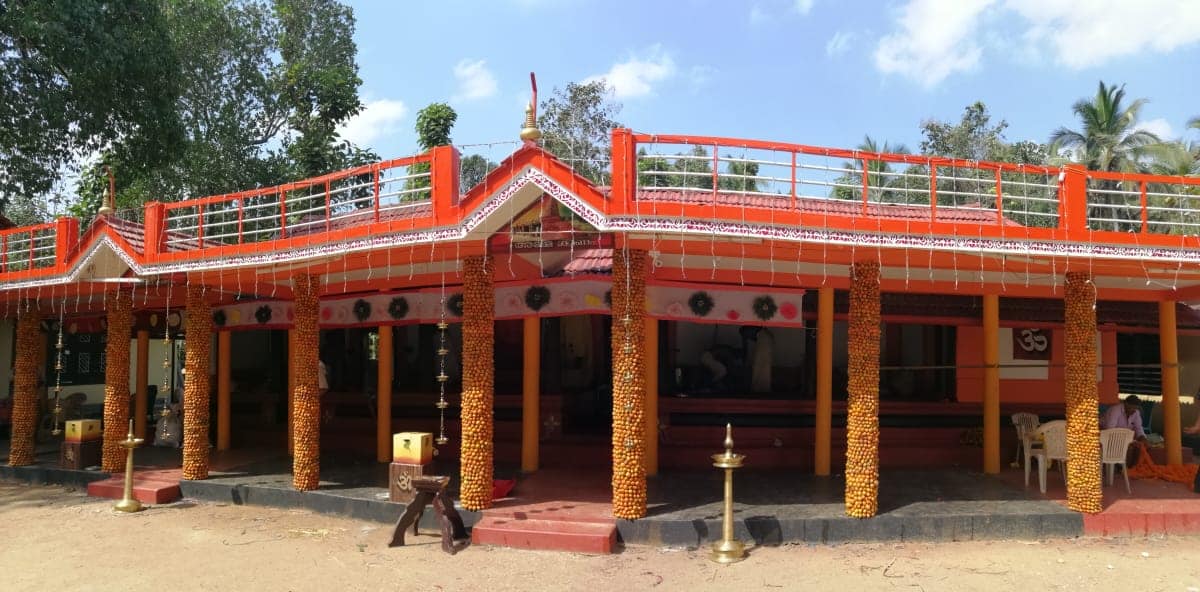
(1108, 140)
(879, 173)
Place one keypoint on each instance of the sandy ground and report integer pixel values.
(57, 539)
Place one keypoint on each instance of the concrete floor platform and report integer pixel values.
(772, 507)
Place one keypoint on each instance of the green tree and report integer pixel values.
(654, 171)
(433, 127)
(434, 124)
(80, 76)
(472, 170)
(576, 123)
(975, 137)
(318, 80)
(1108, 140)
(262, 89)
(739, 176)
(880, 175)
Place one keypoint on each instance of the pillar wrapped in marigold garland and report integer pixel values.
(1083, 424)
(862, 406)
(116, 381)
(629, 383)
(25, 377)
(197, 344)
(306, 406)
(477, 383)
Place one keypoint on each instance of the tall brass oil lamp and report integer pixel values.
(728, 549)
(128, 503)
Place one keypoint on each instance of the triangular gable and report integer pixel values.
(522, 178)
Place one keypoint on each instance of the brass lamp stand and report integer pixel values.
(728, 549)
(128, 503)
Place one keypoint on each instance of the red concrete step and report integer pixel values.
(546, 535)
(147, 491)
(1146, 517)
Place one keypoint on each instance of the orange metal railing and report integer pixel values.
(365, 194)
(671, 173)
(796, 176)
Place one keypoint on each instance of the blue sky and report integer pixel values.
(819, 72)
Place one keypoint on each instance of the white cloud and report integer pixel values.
(936, 38)
(1087, 34)
(757, 15)
(839, 43)
(377, 119)
(700, 76)
(761, 12)
(933, 39)
(636, 76)
(475, 81)
(1159, 127)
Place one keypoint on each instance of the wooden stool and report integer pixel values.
(430, 489)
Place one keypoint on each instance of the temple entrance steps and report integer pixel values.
(150, 486)
(554, 510)
(548, 527)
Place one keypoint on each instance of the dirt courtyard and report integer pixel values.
(58, 539)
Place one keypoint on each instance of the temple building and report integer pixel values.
(844, 310)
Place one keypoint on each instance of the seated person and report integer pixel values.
(1194, 429)
(1126, 415)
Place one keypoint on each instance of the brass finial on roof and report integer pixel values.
(530, 131)
(110, 200)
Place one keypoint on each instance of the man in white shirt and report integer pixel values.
(322, 378)
(1126, 415)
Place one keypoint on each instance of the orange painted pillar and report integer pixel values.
(141, 382)
(824, 416)
(651, 352)
(531, 363)
(291, 388)
(991, 384)
(1168, 348)
(223, 374)
(383, 393)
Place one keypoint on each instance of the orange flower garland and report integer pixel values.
(862, 407)
(629, 383)
(1146, 468)
(306, 404)
(25, 378)
(197, 343)
(477, 383)
(116, 381)
(1083, 424)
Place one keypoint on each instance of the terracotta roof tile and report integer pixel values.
(598, 261)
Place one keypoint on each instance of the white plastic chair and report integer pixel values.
(1114, 449)
(1054, 448)
(1025, 423)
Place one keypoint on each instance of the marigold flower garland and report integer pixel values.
(306, 404)
(197, 345)
(1083, 424)
(862, 408)
(116, 382)
(478, 306)
(25, 376)
(629, 383)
